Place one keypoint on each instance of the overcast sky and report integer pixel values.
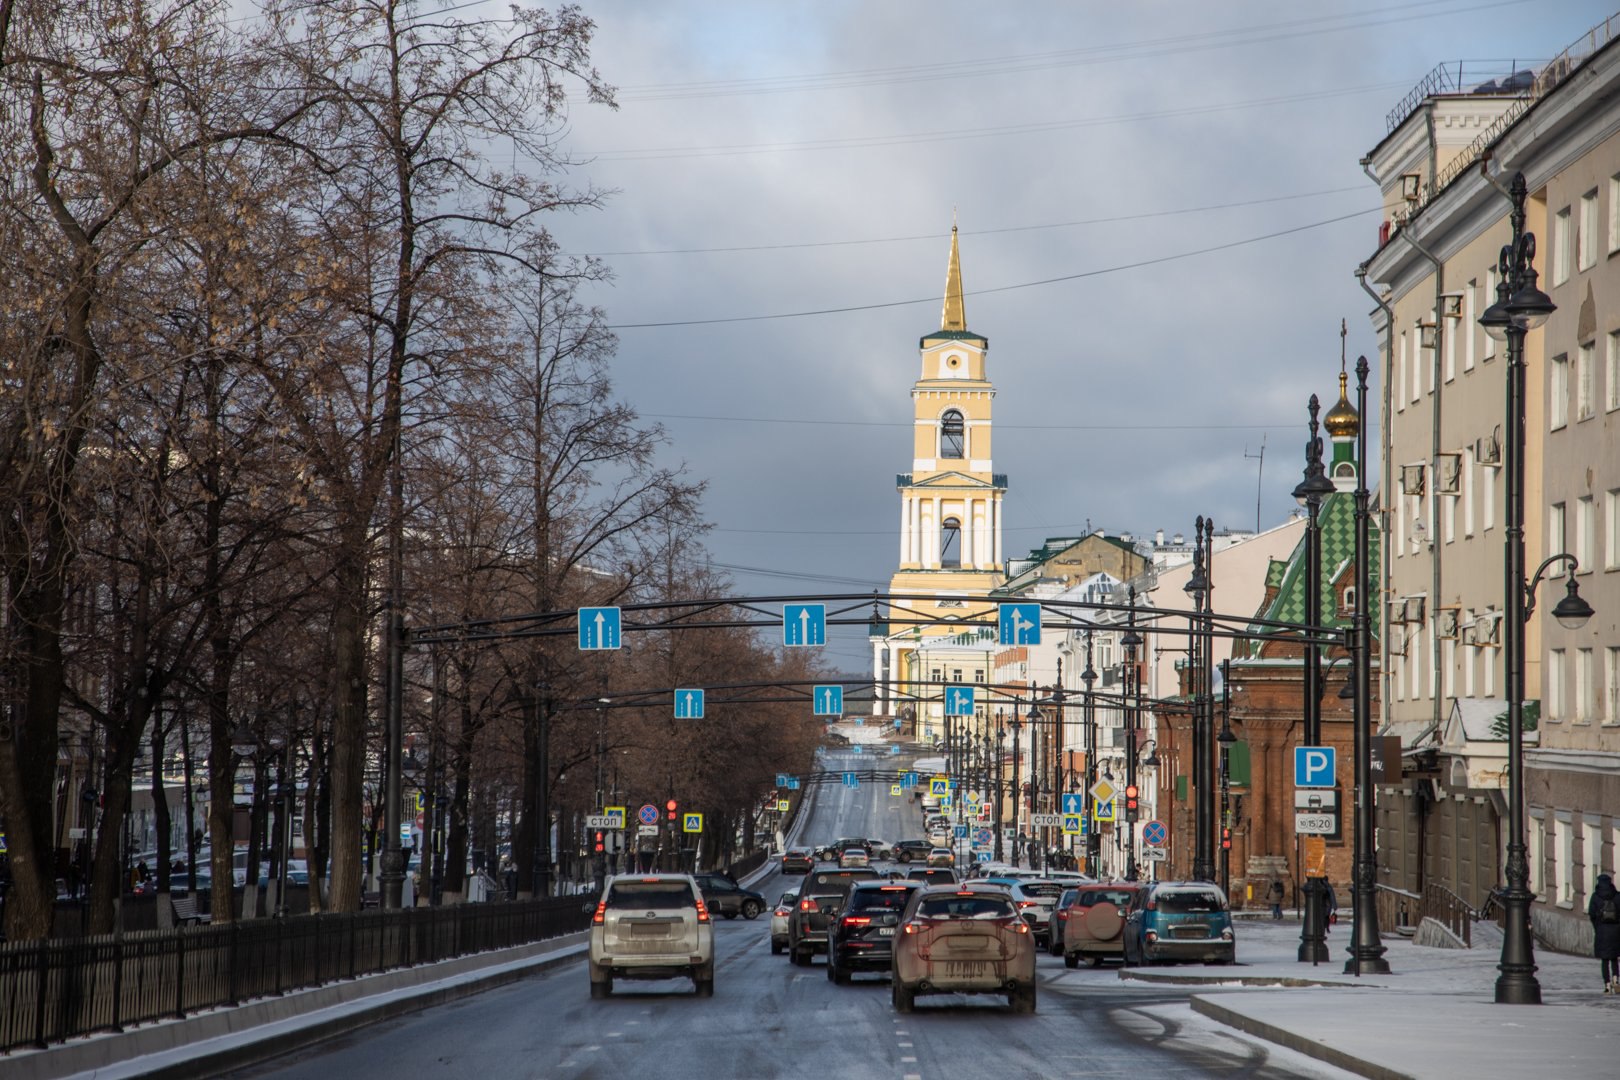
(786, 176)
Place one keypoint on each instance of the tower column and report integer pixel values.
(935, 533)
(967, 534)
(905, 528)
(915, 556)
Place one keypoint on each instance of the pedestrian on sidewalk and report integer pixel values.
(1604, 911)
(1274, 896)
(1331, 912)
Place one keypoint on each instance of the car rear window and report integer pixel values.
(1117, 897)
(650, 895)
(834, 882)
(891, 899)
(976, 906)
(938, 875)
(1042, 888)
(1189, 901)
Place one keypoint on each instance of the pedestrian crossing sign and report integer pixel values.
(1071, 824)
(894, 789)
(692, 823)
(939, 785)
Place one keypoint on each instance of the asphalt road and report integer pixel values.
(770, 1019)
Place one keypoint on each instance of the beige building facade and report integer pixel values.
(1444, 421)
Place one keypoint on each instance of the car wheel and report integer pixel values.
(802, 959)
(840, 977)
(729, 914)
(1022, 1000)
(751, 909)
(905, 856)
(602, 989)
(776, 948)
(1071, 960)
(904, 998)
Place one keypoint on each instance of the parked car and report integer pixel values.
(1179, 920)
(963, 941)
(781, 915)
(821, 897)
(861, 938)
(931, 875)
(726, 897)
(1035, 899)
(798, 860)
(652, 926)
(908, 850)
(1095, 924)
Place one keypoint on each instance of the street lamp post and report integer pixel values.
(1520, 307)
(1133, 718)
(1311, 492)
(1093, 837)
(1000, 735)
(1366, 950)
(1226, 739)
(1199, 587)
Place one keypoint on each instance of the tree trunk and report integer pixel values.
(349, 628)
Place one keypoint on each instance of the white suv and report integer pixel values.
(651, 926)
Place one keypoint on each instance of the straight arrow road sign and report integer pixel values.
(1019, 624)
(829, 701)
(1073, 802)
(804, 624)
(599, 628)
(689, 704)
(959, 701)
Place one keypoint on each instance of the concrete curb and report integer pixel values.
(1166, 978)
(223, 1039)
(1212, 1008)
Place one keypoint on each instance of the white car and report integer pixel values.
(781, 916)
(853, 857)
(651, 926)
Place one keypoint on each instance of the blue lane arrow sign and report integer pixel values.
(688, 704)
(793, 783)
(856, 748)
(804, 624)
(781, 779)
(1020, 624)
(893, 749)
(1073, 802)
(959, 701)
(599, 628)
(829, 700)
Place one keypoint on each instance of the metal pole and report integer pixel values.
(1366, 950)
(1132, 690)
(1203, 861)
(1017, 782)
(998, 784)
(1207, 789)
(1312, 940)
(1517, 983)
(1093, 838)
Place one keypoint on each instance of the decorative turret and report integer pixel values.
(954, 317)
(1343, 424)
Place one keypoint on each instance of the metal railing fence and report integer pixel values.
(55, 990)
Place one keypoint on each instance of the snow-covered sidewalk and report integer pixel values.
(1433, 1016)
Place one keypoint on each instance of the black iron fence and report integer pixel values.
(51, 991)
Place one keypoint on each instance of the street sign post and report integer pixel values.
(782, 806)
(1071, 824)
(688, 704)
(615, 811)
(1314, 766)
(648, 815)
(692, 823)
(829, 701)
(1102, 810)
(1154, 834)
(603, 821)
(1019, 624)
(1102, 791)
(940, 786)
(1074, 802)
(895, 789)
(1155, 854)
(1315, 823)
(599, 628)
(804, 624)
(1041, 820)
(959, 701)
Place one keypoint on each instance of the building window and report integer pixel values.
(1470, 658)
(952, 435)
(1591, 854)
(1585, 693)
(1554, 705)
(1414, 660)
(1561, 247)
(1448, 523)
(1347, 601)
(956, 675)
(1487, 497)
(1611, 529)
(1537, 853)
(1564, 860)
(1583, 381)
(1611, 376)
(1586, 232)
(950, 544)
(1614, 212)
(1585, 533)
(1489, 689)
(1557, 537)
(1448, 327)
(1470, 328)
(1468, 490)
(1611, 685)
(1448, 665)
(1558, 392)
(1491, 276)
(1400, 375)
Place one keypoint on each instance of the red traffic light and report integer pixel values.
(599, 847)
(1226, 839)
(1130, 791)
(671, 807)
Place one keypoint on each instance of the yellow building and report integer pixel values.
(950, 505)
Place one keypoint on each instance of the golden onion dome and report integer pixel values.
(1342, 421)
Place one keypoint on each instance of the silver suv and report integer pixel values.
(651, 926)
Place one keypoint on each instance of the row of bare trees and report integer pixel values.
(270, 304)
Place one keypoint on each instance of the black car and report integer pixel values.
(798, 860)
(932, 875)
(833, 850)
(907, 850)
(726, 897)
(861, 938)
(821, 898)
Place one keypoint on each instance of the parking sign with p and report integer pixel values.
(1314, 766)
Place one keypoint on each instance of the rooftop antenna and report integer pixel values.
(1257, 480)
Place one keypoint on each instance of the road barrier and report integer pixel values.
(52, 991)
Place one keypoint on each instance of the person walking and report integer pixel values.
(1330, 913)
(1274, 896)
(1604, 911)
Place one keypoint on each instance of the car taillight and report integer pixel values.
(1151, 936)
(1023, 927)
(601, 913)
(703, 912)
(1026, 903)
(910, 928)
(808, 905)
(857, 920)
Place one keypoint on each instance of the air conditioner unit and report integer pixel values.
(1397, 612)
(1451, 305)
(1448, 479)
(1448, 623)
(1488, 631)
(1412, 610)
(1397, 641)
(1488, 450)
(1412, 479)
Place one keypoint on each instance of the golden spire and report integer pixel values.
(1342, 421)
(954, 318)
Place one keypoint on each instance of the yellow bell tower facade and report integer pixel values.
(950, 501)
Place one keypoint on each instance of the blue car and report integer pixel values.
(1172, 921)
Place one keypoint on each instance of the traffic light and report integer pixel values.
(1130, 798)
(599, 846)
(671, 807)
(1226, 839)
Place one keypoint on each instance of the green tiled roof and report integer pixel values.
(1338, 521)
(952, 335)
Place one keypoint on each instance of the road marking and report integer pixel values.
(615, 1034)
(906, 1045)
(909, 1060)
(913, 1076)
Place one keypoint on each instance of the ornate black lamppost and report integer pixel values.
(1520, 307)
(1133, 717)
(1000, 735)
(1366, 950)
(1093, 834)
(1311, 492)
(1199, 587)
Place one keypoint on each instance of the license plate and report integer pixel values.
(885, 931)
(964, 969)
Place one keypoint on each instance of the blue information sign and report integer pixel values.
(1314, 766)
(829, 701)
(804, 624)
(1073, 802)
(599, 628)
(1020, 624)
(959, 701)
(689, 704)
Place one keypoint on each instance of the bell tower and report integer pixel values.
(950, 500)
